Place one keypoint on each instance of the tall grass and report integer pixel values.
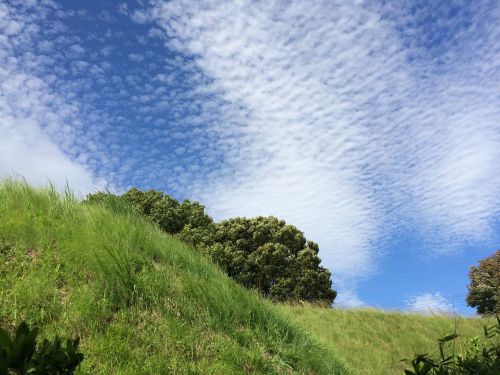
(141, 301)
(374, 342)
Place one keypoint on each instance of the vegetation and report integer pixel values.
(484, 288)
(172, 217)
(265, 253)
(21, 354)
(262, 253)
(143, 301)
(476, 357)
(373, 341)
(140, 300)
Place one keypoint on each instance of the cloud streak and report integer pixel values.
(347, 120)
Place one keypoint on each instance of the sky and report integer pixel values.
(374, 127)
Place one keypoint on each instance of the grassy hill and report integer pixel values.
(145, 303)
(373, 341)
(141, 301)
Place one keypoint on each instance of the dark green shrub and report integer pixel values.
(21, 354)
(170, 215)
(477, 357)
(267, 254)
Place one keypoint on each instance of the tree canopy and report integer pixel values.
(167, 212)
(267, 254)
(262, 253)
(484, 288)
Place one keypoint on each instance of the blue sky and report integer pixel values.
(372, 126)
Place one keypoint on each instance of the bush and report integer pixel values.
(477, 358)
(21, 355)
(170, 215)
(266, 254)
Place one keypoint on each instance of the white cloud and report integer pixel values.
(136, 57)
(336, 117)
(123, 9)
(27, 152)
(291, 152)
(31, 113)
(429, 303)
(348, 298)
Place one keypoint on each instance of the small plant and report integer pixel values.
(21, 354)
(477, 358)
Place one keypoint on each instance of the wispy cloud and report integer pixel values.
(347, 119)
(28, 105)
(429, 303)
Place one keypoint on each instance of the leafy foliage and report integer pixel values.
(167, 212)
(484, 289)
(21, 355)
(267, 254)
(478, 358)
(262, 253)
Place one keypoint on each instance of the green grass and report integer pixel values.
(145, 303)
(141, 301)
(372, 341)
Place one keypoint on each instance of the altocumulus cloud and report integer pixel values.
(30, 110)
(348, 119)
(358, 122)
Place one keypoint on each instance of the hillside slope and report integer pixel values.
(373, 341)
(141, 301)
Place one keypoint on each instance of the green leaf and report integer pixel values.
(5, 341)
(22, 330)
(451, 336)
